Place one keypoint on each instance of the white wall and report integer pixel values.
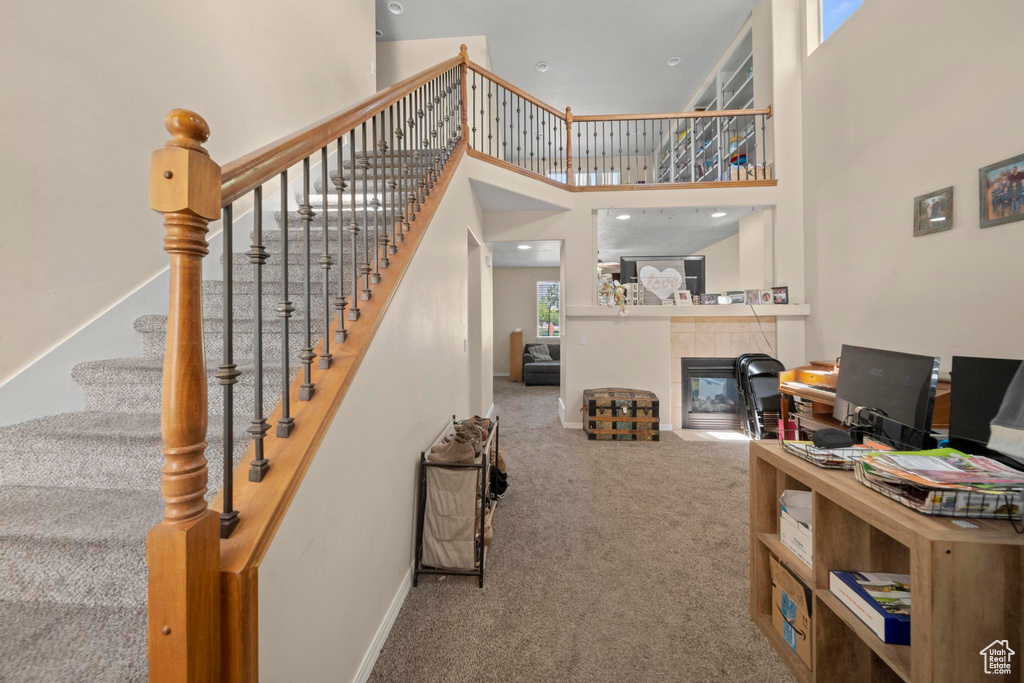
(400, 59)
(515, 305)
(86, 89)
(341, 558)
(722, 265)
(905, 98)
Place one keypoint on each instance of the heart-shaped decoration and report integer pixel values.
(661, 283)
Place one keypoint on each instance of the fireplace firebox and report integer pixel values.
(710, 394)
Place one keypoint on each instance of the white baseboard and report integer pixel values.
(501, 374)
(490, 411)
(370, 658)
(665, 426)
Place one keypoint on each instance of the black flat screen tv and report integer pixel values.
(893, 385)
(693, 266)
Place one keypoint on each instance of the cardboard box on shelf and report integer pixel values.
(795, 530)
(791, 609)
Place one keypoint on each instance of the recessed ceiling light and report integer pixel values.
(623, 217)
(379, 33)
(674, 61)
(542, 66)
(395, 7)
(525, 246)
(718, 214)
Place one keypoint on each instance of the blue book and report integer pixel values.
(881, 601)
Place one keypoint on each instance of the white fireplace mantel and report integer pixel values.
(737, 310)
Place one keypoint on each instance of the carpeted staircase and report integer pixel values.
(79, 491)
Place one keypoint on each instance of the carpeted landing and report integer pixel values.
(611, 561)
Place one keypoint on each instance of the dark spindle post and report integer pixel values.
(376, 204)
(227, 375)
(384, 208)
(504, 110)
(396, 210)
(532, 141)
(353, 227)
(661, 139)
(497, 116)
(764, 150)
(306, 355)
(645, 147)
(474, 110)
(284, 311)
(258, 256)
(340, 301)
(364, 162)
(403, 168)
(579, 145)
(519, 147)
(422, 155)
(326, 262)
(629, 161)
(490, 135)
(596, 181)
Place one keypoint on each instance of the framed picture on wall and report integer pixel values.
(1001, 186)
(933, 212)
(660, 280)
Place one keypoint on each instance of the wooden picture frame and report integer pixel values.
(933, 212)
(997, 184)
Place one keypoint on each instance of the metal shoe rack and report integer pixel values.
(481, 469)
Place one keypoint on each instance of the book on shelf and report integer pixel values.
(881, 601)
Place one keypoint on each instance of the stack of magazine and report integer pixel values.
(944, 482)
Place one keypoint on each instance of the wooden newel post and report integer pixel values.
(183, 550)
(464, 77)
(570, 176)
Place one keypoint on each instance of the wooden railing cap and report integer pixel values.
(188, 129)
(464, 52)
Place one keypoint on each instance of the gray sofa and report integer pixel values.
(547, 372)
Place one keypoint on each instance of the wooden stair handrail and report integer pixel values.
(513, 89)
(255, 168)
(725, 113)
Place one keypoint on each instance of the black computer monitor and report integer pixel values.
(976, 393)
(893, 385)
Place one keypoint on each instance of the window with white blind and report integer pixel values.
(547, 309)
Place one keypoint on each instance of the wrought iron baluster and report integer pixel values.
(423, 154)
(579, 146)
(604, 146)
(258, 256)
(284, 311)
(533, 162)
(497, 118)
(306, 355)
(396, 211)
(661, 139)
(340, 300)
(597, 179)
(474, 109)
(504, 110)
(764, 150)
(482, 115)
(326, 262)
(375, 203)
(519, 130)
(401, 203)
(629, 161)
(384, 209)
(353, 226)
(645, 147)
(227, 375)
(364, 162)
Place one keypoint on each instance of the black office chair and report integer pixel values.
(764, 400)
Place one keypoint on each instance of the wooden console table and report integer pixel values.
(967, 585)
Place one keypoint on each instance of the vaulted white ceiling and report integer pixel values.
(604, 56)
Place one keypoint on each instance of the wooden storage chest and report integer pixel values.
(614, 414)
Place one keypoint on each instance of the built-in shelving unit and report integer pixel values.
(713, 149)
(965, 580)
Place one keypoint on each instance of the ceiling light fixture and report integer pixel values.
(623, 217)
(718, 214)
(674, 61)
(542, 66)
(525, 246)
(395, 7)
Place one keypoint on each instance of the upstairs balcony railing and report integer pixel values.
(356, 192)
(639, 151)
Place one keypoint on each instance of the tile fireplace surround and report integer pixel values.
(715, 337)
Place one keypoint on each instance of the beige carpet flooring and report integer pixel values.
(610, 562)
